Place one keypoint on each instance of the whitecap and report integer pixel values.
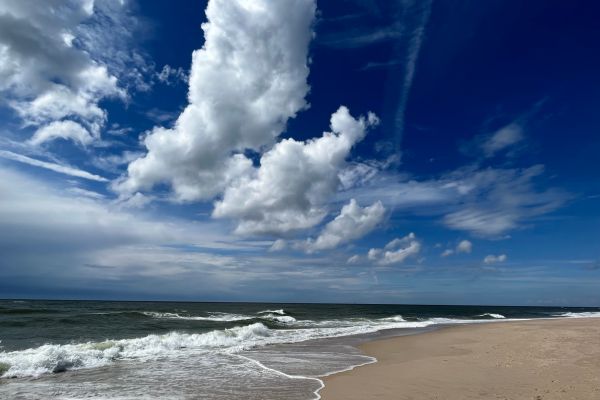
(395, 318)
(280, 312)
(44, 359)
(585, 314)
(492, 315)
(218, 317)
(286, 319)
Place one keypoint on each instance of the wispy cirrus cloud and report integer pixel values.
(411, 58)
(373, 65)
(61, 169)
(359, 37)
(495, 201)
(485, 202)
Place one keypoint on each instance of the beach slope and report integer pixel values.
(533, 360)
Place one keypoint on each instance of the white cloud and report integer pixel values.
(278, 245)
(92, 246)
(353, 259)
(374, 254)
(412, 57)
(400, 241)
(482, 201)
(169, 75)
(397, 192)
(58, 101)
(464, 246)
(114, 162)
(138, 200)
(111, 37)
(34, 215)
(400, 255)
(396, 251)
(62, 169)
(493, 259)
(49, 69)
(248, 79)
(79, 192)
(38, 215)
(355, 38)
(237, 104)
(64, 130)
(88, 243)
(502, 139)
(352, 223)
(447, 253)
(494, 201)
(295, 180)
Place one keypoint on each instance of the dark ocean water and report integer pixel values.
(126, 350)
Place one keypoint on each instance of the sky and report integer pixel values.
(356, 151)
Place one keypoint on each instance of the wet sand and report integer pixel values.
(533, 360)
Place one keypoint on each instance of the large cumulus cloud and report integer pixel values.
(295, 180)
(246, 81)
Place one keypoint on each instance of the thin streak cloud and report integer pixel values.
(61, 169)
(412, 57)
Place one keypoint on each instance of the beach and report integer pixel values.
(279, 351)
(539, 360)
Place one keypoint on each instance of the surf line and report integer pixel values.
(371, 360)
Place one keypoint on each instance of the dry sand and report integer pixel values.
(533, 360)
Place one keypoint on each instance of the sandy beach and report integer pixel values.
(534, 360)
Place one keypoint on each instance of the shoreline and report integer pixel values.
(532, 359)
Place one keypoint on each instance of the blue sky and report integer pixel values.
(351, 151)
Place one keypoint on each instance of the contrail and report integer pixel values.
(414, 48)
(61, 169)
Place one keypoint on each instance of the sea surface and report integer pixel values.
(150, 350)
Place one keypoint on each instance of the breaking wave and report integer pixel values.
(579, 314)
(217, 317)
(280, 312)
(275, 316)
(50, 358)
(59, 358)
(285, 319)
(395, 318)
(492, 315)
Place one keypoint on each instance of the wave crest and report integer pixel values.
(280, 312)
(584, 314)
(395, 318)
(217, 317)
(492, 315)
(58, 358)
(286, 319)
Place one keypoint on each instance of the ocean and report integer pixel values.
(172, 350)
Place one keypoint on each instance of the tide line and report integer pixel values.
(321, 383)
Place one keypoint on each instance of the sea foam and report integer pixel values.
(579, 314)
(48, 358)
(280, 312)
(37, 361)
(492, 315)
(267, 315)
